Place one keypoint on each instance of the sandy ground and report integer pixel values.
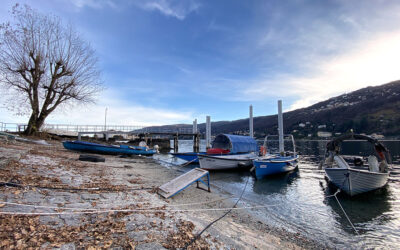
(53, 200)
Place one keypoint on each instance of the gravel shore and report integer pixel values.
(49, 199)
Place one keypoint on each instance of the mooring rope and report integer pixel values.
(12, 184)
(157, 209)
(210, 224)
(347, 217)
(93, 209)
(135, 210)
(187, 163)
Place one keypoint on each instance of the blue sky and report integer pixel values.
(166, 62)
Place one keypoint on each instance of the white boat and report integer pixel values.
(219, 162)
(355, 179)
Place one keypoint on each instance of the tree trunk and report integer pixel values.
(35, 123)
(40, 121)
(32, 128)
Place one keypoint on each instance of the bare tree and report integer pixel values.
(46, 64)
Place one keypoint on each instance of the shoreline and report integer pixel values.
(123, 183)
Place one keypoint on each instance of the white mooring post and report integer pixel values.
(251, 134)
(280, 127)
(195, 126)
(208, 132)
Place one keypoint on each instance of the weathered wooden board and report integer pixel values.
(181, 182)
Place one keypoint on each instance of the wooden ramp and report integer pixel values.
(178, 184)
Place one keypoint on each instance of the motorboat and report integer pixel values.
(357, 177)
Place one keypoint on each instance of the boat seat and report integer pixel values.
(373, 164)
(341, 162)
(383, 167)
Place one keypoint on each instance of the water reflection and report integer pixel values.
(364, 209)
(275, 184)
(314, 148)
(303, 205)
(230, 175)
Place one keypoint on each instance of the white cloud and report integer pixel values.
(97, 4)
(175, 8)
(118, 113)
(372, 62)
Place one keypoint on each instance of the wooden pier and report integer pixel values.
(174, 135)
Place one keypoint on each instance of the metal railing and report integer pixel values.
(89, 128)
(19, 127)
(164, 130)
(11, 127)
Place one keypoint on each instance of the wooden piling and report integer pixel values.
(196, 142)
(176, 143)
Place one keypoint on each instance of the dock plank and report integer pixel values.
(181, 182)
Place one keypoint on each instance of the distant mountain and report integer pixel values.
(368, 110)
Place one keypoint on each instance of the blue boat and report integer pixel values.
(223, 144)
(276, 163)
(107, 149)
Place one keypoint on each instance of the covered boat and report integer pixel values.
(357, 178)
(236, 144)
(223, 144)
(107, 149)
(242, 151)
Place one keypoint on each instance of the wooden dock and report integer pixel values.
(145, 136)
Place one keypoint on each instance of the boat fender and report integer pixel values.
(263, 151)
(380, 151)
(373, 164)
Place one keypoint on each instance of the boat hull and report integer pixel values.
(189, 156)
(105, 149)
(273, 165)
(355, 181)
(193, 157)
(222, 162)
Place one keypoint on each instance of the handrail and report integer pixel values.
(18, 127)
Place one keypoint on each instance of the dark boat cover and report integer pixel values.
(235, 143)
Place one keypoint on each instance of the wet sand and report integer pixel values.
(75, 202)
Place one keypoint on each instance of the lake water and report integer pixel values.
(300, 203)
